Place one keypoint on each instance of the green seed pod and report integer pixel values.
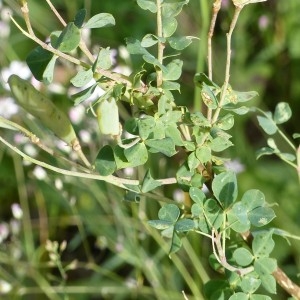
(42, 108)
(108, 117)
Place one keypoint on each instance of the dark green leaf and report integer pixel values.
(201, 78)
(100, 20)
(37, 61)
(149, 183)
(225, 188)
(105, 162)
(79, 18)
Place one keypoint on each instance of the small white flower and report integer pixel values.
(4, 231)
(8, 107)
(85, 136)
(235, 165)
(30, 150)
(58, 184)
(76, 114)
(5, 287)
(39, 173)
(17, 211)
(178, 195)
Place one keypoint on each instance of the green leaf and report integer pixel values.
(264, 151)
(49, 71)
(197, 195)
(242, 110)
(160, 224)
(79, 18)
(132, 196)
(184, 225)
(208, 97)
(220, 143)
(103, 60)
(245, 96)
(252, 199)
(100, 20)
(69, 38)
(263, 244)
(173, 132)
(37, 61)
(169, 26)
(235, 223)
(203, 154)
(267, 124)
(201, 78)
(296, 135)
(82, 78)
(105, 162)
(241, 213)
(173, 70)
(172, 8)
(149, 40)
(213, 213)
(238, 296)
(264, 267)
(225, 188)
(83, 95)
(261, 216)
(282, 113)
(165, 146)
(287, 156)
(171, 86)
(137, 154)
(259, 297)
(150, 59)
(250, 284)
(193, 161)
(176, 243)
(149, 183)
(147, 5)
(243, 257)
(134, 46)
(180, 43)
(145, 126)
(169, 212)
(198, 119)
(226, 122)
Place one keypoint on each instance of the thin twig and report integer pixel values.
(216, 8)
(228, 64)
(160, 45)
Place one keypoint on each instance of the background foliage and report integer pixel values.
(111, 251)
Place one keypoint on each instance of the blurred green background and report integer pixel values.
(112, 251)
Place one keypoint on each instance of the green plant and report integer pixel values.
(154, 126)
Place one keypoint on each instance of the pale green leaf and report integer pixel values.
(282, 113)
(100, 20)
